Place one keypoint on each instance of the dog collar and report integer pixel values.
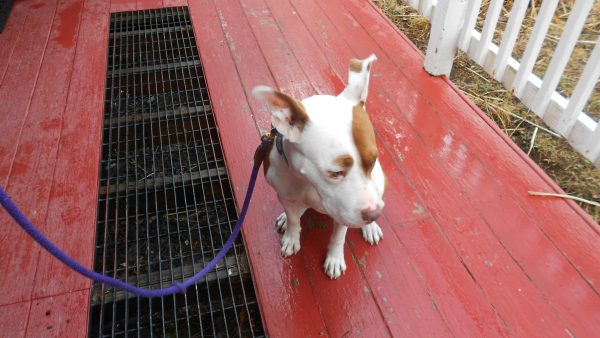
(279, 146)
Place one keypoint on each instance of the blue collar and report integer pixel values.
(279, 145)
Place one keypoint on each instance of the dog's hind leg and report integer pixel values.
(372, 233)
(289, 223)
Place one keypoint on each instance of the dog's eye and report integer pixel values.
(336, 174)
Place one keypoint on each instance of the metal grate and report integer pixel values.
(165, 203)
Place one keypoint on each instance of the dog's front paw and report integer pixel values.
(281, 222)
(372, 233)
(335, 265)
(290, 243)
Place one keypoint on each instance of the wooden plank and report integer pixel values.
(279, 283)
(560, 297)
(64, 315)
(148, 4)
(122, 5)
(395, 201)
(250, 64)
(174, 3)
(73, 201)
(384, 117)
(19, 253)
(437, 262)
(10, 35)
(288, 73)
(573, 240)
(348, 27)
(346, 304)
(402, 295)
(13, 318)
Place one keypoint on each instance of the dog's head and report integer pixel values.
(332, 145)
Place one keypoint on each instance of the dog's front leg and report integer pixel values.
(335, 265)
(289, 223)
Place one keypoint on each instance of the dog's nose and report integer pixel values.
(370, 214)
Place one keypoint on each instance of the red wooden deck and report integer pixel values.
(466, 251)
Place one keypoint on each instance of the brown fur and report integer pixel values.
(364, 138)
(356, 65)
(298, 116)
(344, 161)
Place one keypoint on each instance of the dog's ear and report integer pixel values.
(358, 79)
(288, 115)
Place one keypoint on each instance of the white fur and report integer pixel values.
(304, 182)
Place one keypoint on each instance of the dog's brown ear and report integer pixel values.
(358, 79)
(288, 115)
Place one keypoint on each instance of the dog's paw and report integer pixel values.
(281, 222)
(372, 233)
(290, 243)
(335, 265)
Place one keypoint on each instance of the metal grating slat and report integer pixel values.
(165, 204)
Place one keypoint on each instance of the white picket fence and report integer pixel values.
(453, 26)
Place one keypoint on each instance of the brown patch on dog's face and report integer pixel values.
(356, 65)
(298, 115)
(344, 161)
(364, 138)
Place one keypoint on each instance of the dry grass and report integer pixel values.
(571, 171)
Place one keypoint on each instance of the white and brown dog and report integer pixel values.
(326, 158)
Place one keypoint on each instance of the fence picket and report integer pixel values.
(536, 39)
(489, 27)
(469, 24)
(509, 38)
(563, 51)
(581, 93)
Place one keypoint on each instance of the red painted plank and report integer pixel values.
(572, 295)
(13, 319)
(35, 159)
(123, 5)
(73, 201)
(59, 316)
(346, 304)
(403, 297)
(577, 241)
(459, 298)
(394, 199)
(248, 59)
(283, 290)
(8, 39)
(19, 253)
(282, 63)
(148, 4)
(491, 246)
(174, 3)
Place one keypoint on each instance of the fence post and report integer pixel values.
(446, 24)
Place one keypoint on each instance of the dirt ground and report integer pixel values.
(575, 174)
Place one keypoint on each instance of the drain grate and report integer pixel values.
(165, 203)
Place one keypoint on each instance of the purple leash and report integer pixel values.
(26, 225)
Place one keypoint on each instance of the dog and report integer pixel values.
(324, 156)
